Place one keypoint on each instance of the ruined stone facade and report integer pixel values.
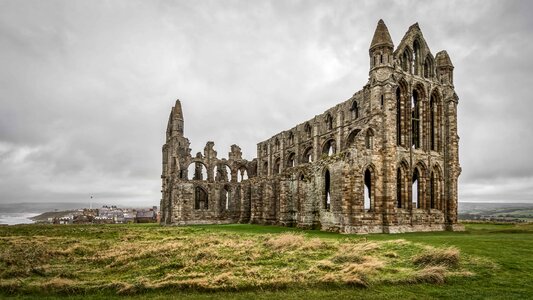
(385, 160)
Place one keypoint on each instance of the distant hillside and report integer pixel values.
(496, 211)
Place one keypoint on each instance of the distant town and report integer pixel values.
(103, 215)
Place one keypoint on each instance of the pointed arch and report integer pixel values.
(197, 171)
(429, 67)
(225, 198)
(406, 60)
(350, 141)
(402, 111)
(276, 145)
(368, 188)
(277, 166)
(222, 172)
(419, 118)
(435, 121)
(416, 57)
(327, 190)
(242, 174)
(290, 139)
(308, 130)
(418, 186)
(329, 147)
(354, 110)
(307, 156)
(436, 188)
(415, 189)
(201, 199)
(398, 116)
(402, 185)
(415, 119)
(369, 139)
(291, 160)
(329, 122)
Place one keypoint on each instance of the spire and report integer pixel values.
(381, 36)
(414, 26)
(178, 114)
(443, 60)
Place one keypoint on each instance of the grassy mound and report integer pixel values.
(131, 259)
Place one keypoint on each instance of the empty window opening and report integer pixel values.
(197, 171)
(354, 110)
(308, 155)
(369, 139)
(415, 190)
(398, 117)
(200, 198)
(307, 130)
(351, 138)
(329, 148)
(291, 138)
(277, 166)
(222, 173)
(432, 191)
(415, 120)
(432, 123)
(225, 198)
(435, 123)
(242, 175)
(381, 58)
(327, 194)
(367, 204)
(291, 161)
(329, 122)
(428, 67)
(382, 100)
(416, 57)
(406, 60)
(276, 145)
(399, 188)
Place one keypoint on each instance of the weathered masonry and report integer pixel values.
(385, 160)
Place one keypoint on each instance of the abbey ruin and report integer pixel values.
(384, 161)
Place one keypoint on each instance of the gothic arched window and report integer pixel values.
(354, 110)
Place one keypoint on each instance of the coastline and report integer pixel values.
(16, 218)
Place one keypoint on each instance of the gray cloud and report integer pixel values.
(87, 86)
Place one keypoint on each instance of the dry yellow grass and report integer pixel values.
(285, 241)
(201, 260)
(448, 257)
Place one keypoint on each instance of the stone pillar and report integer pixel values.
(338, 134)
(452, 168)
(316, 151)
(388, 136)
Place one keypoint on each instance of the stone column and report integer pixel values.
(388, 136)
(452, 168)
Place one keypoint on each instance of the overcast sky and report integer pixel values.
(86, 87)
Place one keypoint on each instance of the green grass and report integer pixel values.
(488, 261)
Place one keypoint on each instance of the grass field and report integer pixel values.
(488, 261)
